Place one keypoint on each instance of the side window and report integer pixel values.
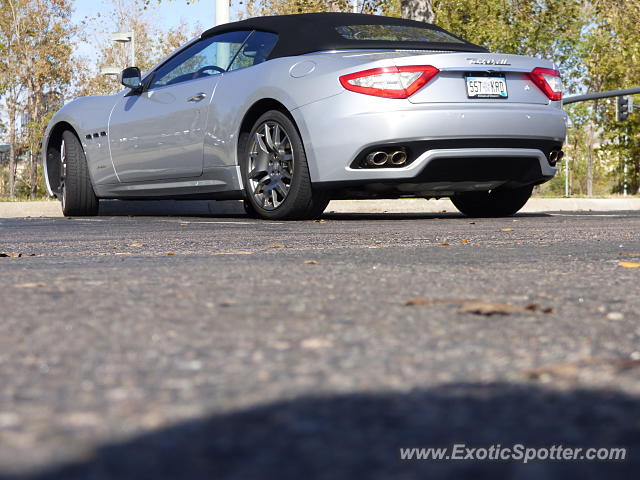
(255, 51)
(209, 56)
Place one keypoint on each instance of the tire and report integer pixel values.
(495, 203)
(275, 172)
(78, 197)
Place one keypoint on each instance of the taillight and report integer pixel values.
(389, 82)
(549, 81)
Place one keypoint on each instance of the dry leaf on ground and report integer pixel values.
(629, 264)
(564, 370)
(275, 245)
(445, 244)
(506, 229)
(233, 253)
(535, 307)
(424, 301)
(311, 262)
(30, 285)
(10, 255)
(488, 309)
(170, 254)
(315, 343)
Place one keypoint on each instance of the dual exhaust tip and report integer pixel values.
(396, 158)
(555, 156)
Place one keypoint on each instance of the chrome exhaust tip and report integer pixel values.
(398, 157)
(377, 159)
(555, 156)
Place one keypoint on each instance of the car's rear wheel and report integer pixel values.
(501, 202)
(78, 197)
(275, 172)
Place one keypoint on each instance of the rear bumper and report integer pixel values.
(440, 173)
(338, 129)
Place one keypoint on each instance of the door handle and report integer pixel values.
(197, 97)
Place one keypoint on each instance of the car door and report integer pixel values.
(159, 133)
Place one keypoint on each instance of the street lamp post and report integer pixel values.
(223, 12)
(126, 37)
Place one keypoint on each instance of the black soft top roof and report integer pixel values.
(314, 32)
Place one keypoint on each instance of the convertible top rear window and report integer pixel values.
(395, 33)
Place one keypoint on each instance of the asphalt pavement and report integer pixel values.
(222, 347)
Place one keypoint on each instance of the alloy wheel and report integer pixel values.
(271, 165)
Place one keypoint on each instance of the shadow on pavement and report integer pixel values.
(409, 216)
(155, 208)
(358, 436)
(234, 209)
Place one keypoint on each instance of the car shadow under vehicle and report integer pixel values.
(234, 209)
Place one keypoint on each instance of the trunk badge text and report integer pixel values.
(488, 61)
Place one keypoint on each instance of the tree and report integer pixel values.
(421, 10)
(284, 7)
(36, 68)
(151, 43)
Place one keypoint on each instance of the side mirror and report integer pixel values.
(131, 78)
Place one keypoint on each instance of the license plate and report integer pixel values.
(486, 87)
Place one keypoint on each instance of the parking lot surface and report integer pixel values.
(223, 347)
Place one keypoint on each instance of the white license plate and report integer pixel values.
(486, 87)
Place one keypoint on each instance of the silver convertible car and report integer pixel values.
(289, 112)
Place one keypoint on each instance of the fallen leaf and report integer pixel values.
(122, 253)
(233, 253)
(423, 301)
(10, 255)
(445, 244)
(628, 254)
(472, 223)
(627, 364)
(275, 245)
(170, 254)
(506, 229)
(136, 245)
(320, 220)
(629, 264)
(488, 309)
(464, 241)
(563, 370)
(535, 307)
(311, 262)
(315, 343)
(30, 285)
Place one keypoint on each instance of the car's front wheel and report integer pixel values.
(275, 172)
(501, 202)
(78, 197)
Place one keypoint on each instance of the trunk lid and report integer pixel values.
(450, 85)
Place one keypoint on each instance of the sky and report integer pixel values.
(169, 13)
